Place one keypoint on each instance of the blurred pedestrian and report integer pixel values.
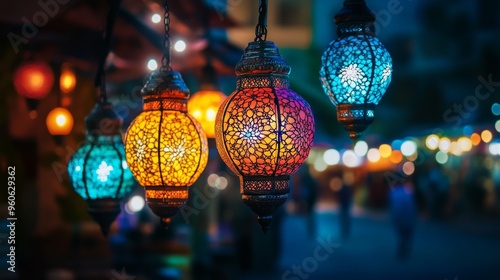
(404, 216)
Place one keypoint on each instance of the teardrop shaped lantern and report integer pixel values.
(264, 130)
(356, 68)
(165, 147)
(98, 170)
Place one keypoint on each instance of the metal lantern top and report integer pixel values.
(165, 90)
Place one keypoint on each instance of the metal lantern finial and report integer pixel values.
(356, 68)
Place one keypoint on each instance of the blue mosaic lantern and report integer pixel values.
(98, 170)
(356, 68)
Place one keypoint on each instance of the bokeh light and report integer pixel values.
(361, 148)
(408, 168)
(385, 150)
(475, 139)
(180, 46)
(396, 157)
(444, 145)
(331, 157)
(408, 148)
(373, 155)
(497, 126)
(494, 149)
(495, 109)
(156, 18)
(486, 136)
(136, 203)
(432, 142)
(350, 159)
(441, 157)
(465, 144)
(152, 64)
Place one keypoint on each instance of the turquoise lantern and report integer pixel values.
(356, 68)
(98, 170)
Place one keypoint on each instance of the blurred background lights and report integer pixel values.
(408, 148)
(465, 144)
(136, 203)
(350, 159)
(396, 144)
(156, 18)
(152, 64)
(396, 157)
(211, 180)
(320, 164)
(331, 157)
(361, 148)
(336, 184)
(455, 148)
(385, 150)
(486, 136)
(432, 142)
(495, 109)
(217, 181)
(475, 139)
(441, 157)
(444, 145)
(494, 149)
(408, 168)
(373, 155)
(468, 130)
(180, 46)
(497, 126)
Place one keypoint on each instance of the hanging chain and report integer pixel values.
(100, 81)
(165, 60)
(261, 28)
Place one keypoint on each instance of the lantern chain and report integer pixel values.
(261, 28)
(165, 60)
(99, 81)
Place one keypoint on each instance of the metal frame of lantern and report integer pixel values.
(166, 149)
(356, 68)
(264, 130)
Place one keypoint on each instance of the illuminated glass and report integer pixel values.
(203, 106)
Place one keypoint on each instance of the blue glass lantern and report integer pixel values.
(356, 68)
(98, 170)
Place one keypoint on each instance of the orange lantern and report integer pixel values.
(59, 123)
(67, 81)
(33, 80)
(203, 106)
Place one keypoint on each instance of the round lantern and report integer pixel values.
(356, 68)
(59, 123)
(166, 149)
(203, 106)
(98, 170)
(33, 80)
(264, 130)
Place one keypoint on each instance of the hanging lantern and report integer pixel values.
(203, 106)
(98, 170)
(33, 80)
(264, 131)
(356, 68)
(165, 147)
(67, 80)
(59, 123)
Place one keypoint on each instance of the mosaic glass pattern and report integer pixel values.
(98, 169)
(356, 69)
(166, 148)
(264, 131)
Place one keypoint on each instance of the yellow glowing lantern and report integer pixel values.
(67, 81)
(59, 121)
(165, 147)
(203, 106)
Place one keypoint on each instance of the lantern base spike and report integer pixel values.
(104, 212)
(165, 210)
(264, 206)
(355, 118)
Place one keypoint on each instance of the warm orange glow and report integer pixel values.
(396, 157)
(59, 121)
(65, 101)
(67, 81)
(33, 80)
(203, 106)
(166, 149)
(487, 136)
(476, 139)
(385, 150)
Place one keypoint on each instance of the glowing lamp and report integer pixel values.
(203, 106)
(98, 170)
(33, 80)
(264, 130)
(356, 68)
(67, 81)
(59, 123)
(166, 149)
